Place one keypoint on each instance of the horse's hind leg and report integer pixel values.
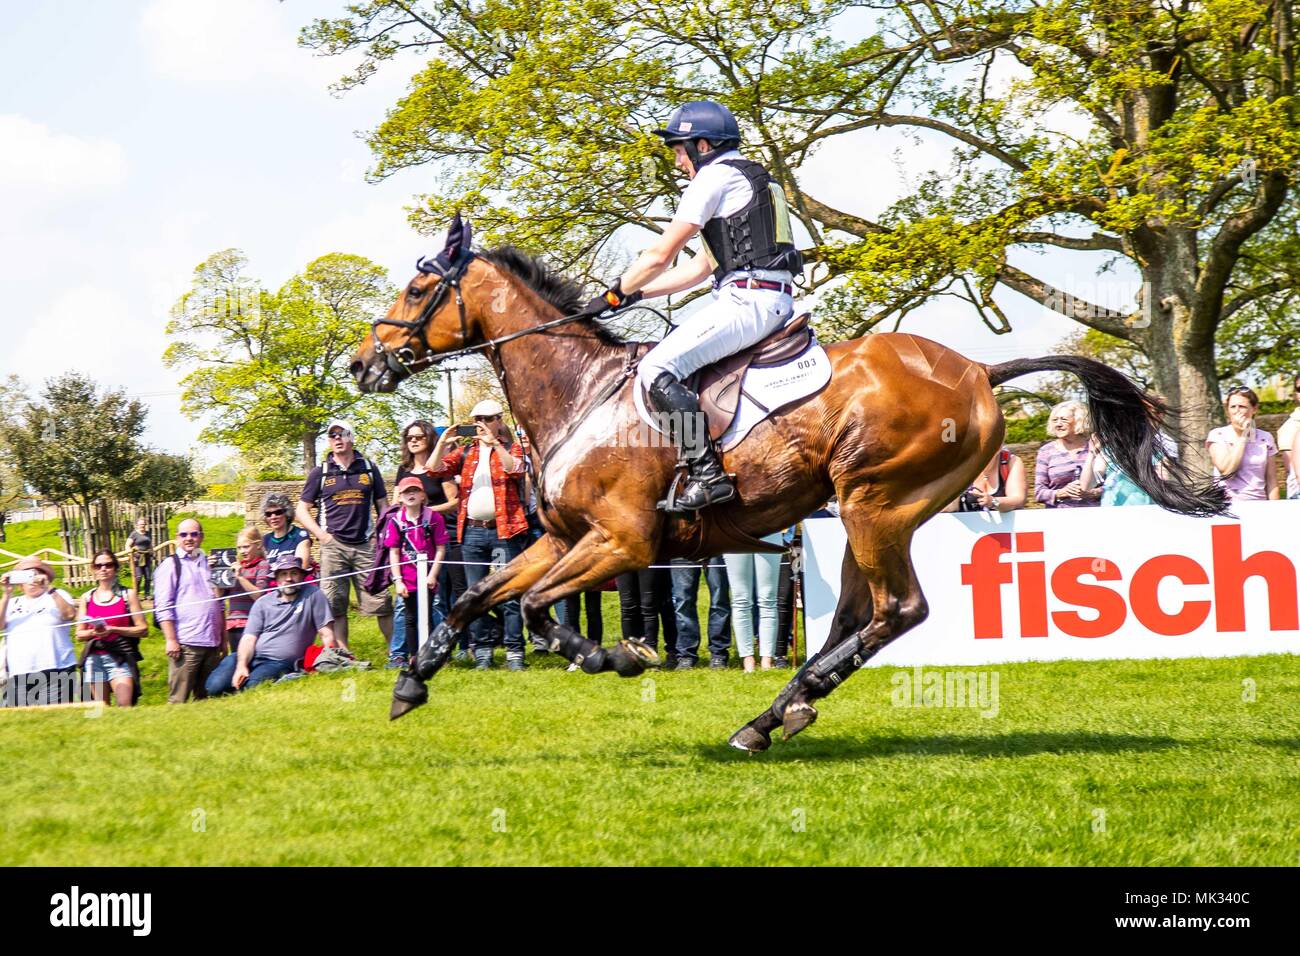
(880, 545)
(851, 613)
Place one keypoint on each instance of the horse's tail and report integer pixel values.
(1128, 422)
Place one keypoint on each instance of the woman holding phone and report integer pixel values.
(38, 651)
(112, 623)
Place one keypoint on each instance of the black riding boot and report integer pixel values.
(706, 483)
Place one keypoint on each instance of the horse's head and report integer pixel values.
(428, 319)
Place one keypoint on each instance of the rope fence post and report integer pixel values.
(422, 596)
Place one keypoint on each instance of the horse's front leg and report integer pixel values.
(514, 579)
(590, 562)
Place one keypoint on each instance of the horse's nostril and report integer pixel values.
(357, 368)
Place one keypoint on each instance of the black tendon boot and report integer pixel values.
(706, 483)
(410, 691)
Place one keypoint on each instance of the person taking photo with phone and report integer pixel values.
(491, 523)
(38, 650)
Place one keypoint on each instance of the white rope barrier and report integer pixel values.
(421, 575)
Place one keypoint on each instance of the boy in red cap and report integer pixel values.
(414, 530)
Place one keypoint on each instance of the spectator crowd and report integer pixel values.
(465, 499)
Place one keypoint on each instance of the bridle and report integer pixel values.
(402, 360)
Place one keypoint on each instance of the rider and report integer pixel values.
(740, 214)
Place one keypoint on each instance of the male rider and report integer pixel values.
(740, 214)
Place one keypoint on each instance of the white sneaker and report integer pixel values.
(572, 667)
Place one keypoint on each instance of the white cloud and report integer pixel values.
(229, 43)
(35, 156)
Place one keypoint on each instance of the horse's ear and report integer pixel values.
(455, 252)
(459, 236)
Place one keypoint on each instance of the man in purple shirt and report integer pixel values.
(192, 622)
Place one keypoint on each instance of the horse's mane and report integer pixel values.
(567, 295)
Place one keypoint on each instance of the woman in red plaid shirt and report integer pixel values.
(491, 521)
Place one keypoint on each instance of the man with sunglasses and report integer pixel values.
(193, 624)
(1286, 443)
(351, 495)
(491, 522)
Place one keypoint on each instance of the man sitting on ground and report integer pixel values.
(281, 626)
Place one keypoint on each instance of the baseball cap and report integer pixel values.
(410, 481)
(286, 561)
(339, 423)
(487, 408)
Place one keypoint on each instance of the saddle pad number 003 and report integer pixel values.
(764, 391)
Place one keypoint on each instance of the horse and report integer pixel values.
(902, 428)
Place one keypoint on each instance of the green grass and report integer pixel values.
(549, 767)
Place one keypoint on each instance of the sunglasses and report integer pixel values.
(336, 435)
(189, 534)
(273, 514)
(416, 438)
(487, 418)
(101, 566)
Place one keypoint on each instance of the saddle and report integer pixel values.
(719, 385)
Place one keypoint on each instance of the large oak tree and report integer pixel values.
(1179, 156)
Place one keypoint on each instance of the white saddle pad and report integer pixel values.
(764, 391)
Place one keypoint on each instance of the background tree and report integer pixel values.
(75, 445)
(271, 369)
(158, 476)
(1162, 135)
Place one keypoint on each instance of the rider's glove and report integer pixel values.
(612, 299)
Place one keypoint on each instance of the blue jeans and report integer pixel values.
(743, 572)
(482, 545)
(397, 645)
(686, 589)
(221, 680)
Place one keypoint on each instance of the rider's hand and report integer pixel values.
(611, 300)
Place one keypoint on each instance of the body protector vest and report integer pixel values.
(757, 237)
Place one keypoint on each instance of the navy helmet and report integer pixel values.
(705, 120)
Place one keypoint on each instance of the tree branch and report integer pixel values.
(1080, 310)
(1098, 241)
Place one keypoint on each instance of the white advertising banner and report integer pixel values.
(1086, 584)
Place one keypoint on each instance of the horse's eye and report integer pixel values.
(413, 292)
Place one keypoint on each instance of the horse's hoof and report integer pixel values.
(798, 716)
(750, 740)
(631, 658)
(408, 693)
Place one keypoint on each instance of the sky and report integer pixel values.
(138, 138)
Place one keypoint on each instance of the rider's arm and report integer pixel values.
(652, 262)
(686, 275)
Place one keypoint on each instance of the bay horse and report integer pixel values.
(902, 428)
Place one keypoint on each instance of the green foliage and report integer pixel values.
(75, 444)
(269, 370)
(156, 476)
(1166, 137)
(1022, 431)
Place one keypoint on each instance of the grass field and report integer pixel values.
(1105, 763)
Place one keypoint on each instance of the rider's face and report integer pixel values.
(683, 162)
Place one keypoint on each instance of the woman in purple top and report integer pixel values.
(1060, 461)
(1242, 454)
